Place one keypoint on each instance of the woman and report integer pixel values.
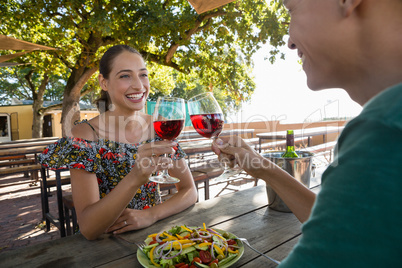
(112, 156)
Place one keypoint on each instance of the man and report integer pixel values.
(356, 219)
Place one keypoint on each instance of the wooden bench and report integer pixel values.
(320, 148)
(12, 157)
(31, 169)
(13, 163)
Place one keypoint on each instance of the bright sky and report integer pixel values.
(282, 94)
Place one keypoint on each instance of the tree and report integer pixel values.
(212, 49)
(28, 83)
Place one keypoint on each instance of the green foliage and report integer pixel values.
(211, 51)
(14, 85)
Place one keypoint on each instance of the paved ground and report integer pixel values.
(21, 212)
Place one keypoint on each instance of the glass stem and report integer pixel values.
(165, 171)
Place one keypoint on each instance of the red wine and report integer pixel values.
(207, 125)
(168, 129)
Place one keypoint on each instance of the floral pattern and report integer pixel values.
(111, 161)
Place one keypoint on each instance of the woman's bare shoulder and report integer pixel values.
(86, 130)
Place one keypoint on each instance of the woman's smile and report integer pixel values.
(136, 97)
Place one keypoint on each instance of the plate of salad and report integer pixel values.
(191, 247)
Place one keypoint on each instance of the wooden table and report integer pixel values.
(244, 213)
(45, 139)
(300, 133)
(37, 149)
(28, 143)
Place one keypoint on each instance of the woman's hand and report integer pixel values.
(150, 159)
(132, 219)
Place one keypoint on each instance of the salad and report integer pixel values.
(192, 247)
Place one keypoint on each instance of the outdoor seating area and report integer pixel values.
(60, 215)
(200, 134)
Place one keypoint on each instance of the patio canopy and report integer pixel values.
(202, 6)
(9, 43)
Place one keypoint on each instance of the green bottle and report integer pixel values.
(290, 145)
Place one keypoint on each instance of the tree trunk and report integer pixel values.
(37, 120)
(72, 93)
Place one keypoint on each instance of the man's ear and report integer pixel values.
(349, 6)
(102, 82)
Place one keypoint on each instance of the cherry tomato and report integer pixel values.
(193, 266)
(181, 265)
(205, 256)
(196, 259)
(214, 261)
(231, 242)
(153, 242)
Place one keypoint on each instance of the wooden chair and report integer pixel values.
(70, 215)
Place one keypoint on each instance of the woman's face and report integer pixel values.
(128, 84)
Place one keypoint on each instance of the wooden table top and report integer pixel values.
(45, 139)
(43, 143)
(244, 213)
(281, 135)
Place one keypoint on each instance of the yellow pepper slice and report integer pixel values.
(219, 250)
(223, 239)
(152, 235)
(179, 236)
(185, 228)
(235, 251)
(169, 237)
(205, 244)
(184, 241)
(151, 256)
(205, 227)
(184, 246)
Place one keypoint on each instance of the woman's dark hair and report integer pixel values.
(105, 66)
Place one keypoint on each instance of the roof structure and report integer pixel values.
(202, 6)
(10, 43)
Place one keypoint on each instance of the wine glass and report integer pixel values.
(207, 119)
(168, 120)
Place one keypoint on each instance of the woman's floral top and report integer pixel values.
(111, 161)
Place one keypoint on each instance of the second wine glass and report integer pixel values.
(207, 119)
(168, 120)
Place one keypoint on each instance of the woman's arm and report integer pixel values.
(185, 197)
(96, 215)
